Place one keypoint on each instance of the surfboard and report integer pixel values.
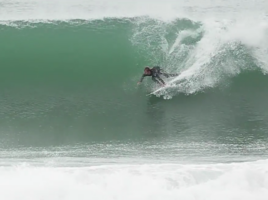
(158, 90)
(168, 85)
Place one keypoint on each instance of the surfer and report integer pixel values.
(155, 72)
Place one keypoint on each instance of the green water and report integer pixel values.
(75, 83)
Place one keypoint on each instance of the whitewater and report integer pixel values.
(169, 181)
(75, 125)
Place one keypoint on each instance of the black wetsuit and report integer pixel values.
(155, 72)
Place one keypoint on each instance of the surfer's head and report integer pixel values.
(147, 70)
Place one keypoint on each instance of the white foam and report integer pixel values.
(247, 181)
(221, 38)
(219, 54)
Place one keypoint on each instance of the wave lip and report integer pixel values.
(30, 10)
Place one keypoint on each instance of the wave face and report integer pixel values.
(72, 67)
(71, 114)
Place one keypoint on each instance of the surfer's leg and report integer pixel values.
(156, 81)
(169, 75)
(159, 80)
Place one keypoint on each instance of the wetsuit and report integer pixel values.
(155, 72)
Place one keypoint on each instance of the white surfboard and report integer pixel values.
(168, 85)
(159, 89)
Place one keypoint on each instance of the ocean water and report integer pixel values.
(75, 125)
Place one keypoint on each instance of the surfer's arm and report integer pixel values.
(161, 80)
(142, 77)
